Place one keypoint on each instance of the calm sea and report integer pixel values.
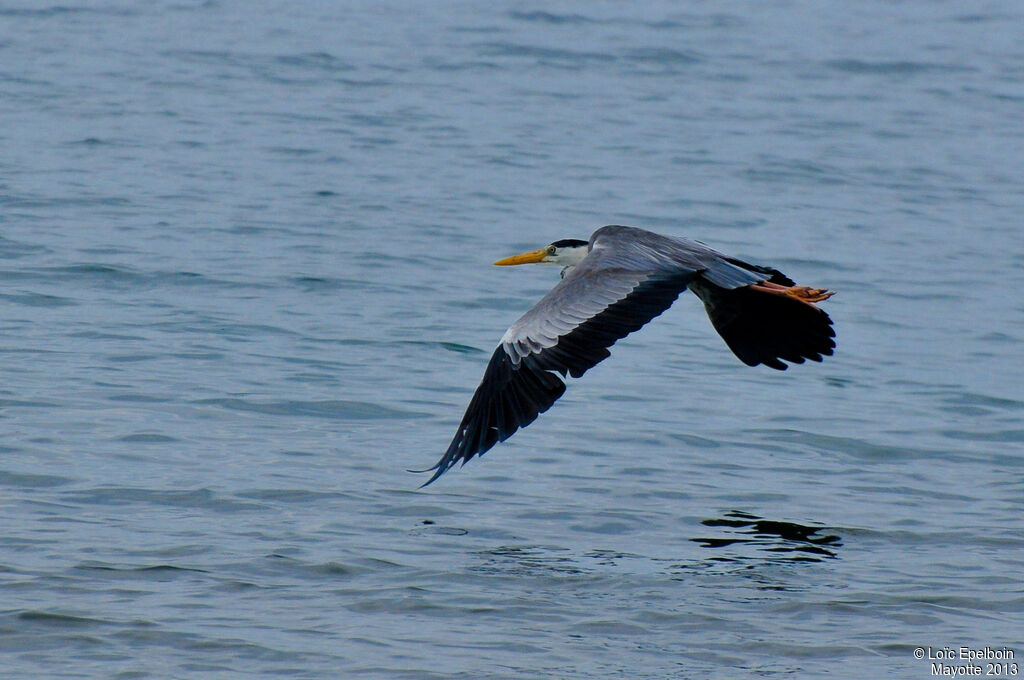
(245, 283)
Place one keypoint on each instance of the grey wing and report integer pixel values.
(758, 326)
(630, 277)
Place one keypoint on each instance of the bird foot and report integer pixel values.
(802, 293)
(809, 294)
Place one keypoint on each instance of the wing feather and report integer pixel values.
(761, 328)
(566, 333)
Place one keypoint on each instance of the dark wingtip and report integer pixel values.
(440, 470)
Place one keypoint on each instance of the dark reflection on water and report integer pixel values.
(806, 543)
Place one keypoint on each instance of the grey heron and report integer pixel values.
(611, 286)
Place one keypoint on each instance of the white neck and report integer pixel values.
(569, 257)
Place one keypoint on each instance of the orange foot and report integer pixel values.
(802, 293)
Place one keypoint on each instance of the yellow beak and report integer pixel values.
(524, 258)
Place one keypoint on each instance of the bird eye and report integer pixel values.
(551, 250)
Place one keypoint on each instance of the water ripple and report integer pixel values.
(334, 409)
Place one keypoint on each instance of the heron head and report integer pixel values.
(568, 253)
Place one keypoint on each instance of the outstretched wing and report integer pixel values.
(629, 277)
(764, 326)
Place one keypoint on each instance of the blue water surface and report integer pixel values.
(245, 284)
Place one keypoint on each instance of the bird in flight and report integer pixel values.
(611, 286)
